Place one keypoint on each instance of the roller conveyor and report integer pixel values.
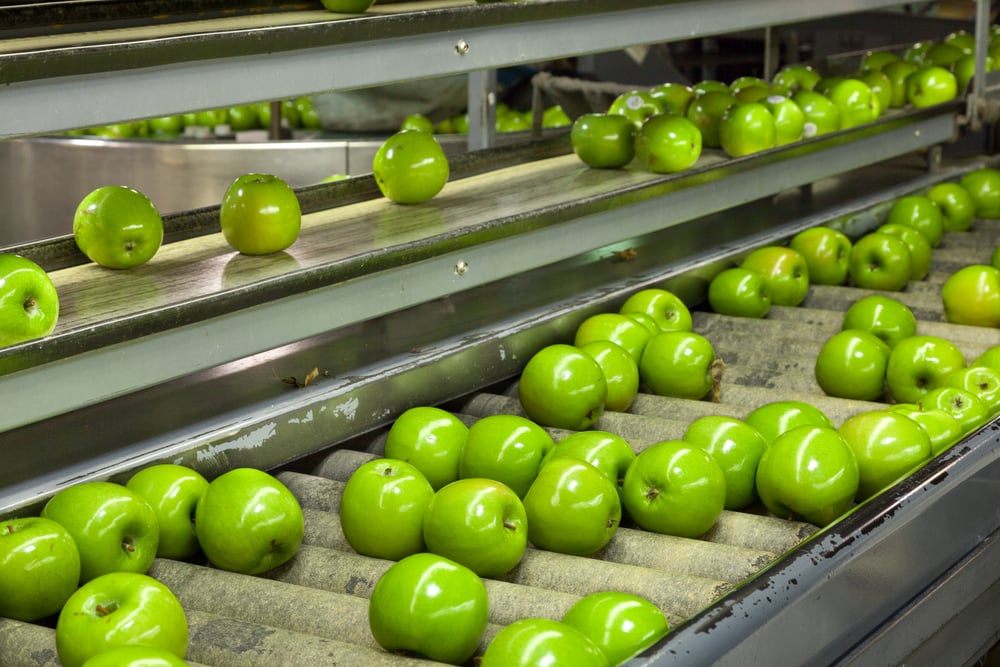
(202, 364)
(730, 594)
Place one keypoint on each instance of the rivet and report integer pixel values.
(461, 268)
(462, 47)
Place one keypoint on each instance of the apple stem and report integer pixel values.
(129, 246)
(509, 526)
(104, 611)
(128, 546)
(30, 304)
(10, 528)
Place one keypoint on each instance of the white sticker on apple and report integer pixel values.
(776, 99)
(809, 130)
(634, 102)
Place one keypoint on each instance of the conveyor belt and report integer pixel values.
(313, 609)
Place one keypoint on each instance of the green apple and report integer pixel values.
(431, 440)
(242, 118)
(942, 427)
(931, 85)
(747, 81)
(647, 321)
(603, 141)
(430, 606)
(887, 446)
(616, 328)
(531, 642)
(916, 243)
(747, 127)
(512, 121)
(666, 308)
(917, 51)
(981, 381)
(621, 373)
(120, 609)
(135, 655)
(970, 411)
(965, 71)
(827, 252)
(572, 507)
(880, 262)
(888, 318)
(710, 86)
(739, 292)
(857, 103)
(673, 98)
(963, 39)
(114, 528)
(824, 85)
(260, 214)
(609, 453)
(308, 116)
(506, 448)
(943, 55)
(789, 120)
(622, 625)
(876, 60)
(248, 522)
(410, 167)
(753, 93)
(774, 418)
(880, 86)
(785, 271)
(29, 306)
(822, 116)
(706, 110)
(808, 472)
(919, 364)
(971, 296)
(898, 73)
(675, 488)
(668, 144)
(921, 213)
(678, 364)
(990, 357)
(478, 523)
(796, 77)
(636, 106)
(736, 447)
(958, 210)
(562, 386)
(382, 508)
(117, 227)
(211, 117)
(173, 491)
(166, 126)
(39, 568)
(852, 364)
(416, 121)
(983, 185)
(555, 116)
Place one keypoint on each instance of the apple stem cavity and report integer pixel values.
(30, 305)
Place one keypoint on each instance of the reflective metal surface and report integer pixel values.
(178, 315)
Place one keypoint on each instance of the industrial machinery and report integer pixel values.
(298, 362)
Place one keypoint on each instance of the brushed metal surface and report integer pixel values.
(178, 313)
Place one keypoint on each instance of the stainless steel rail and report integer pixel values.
(178, 67)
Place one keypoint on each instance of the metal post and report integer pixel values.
(482, 109)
